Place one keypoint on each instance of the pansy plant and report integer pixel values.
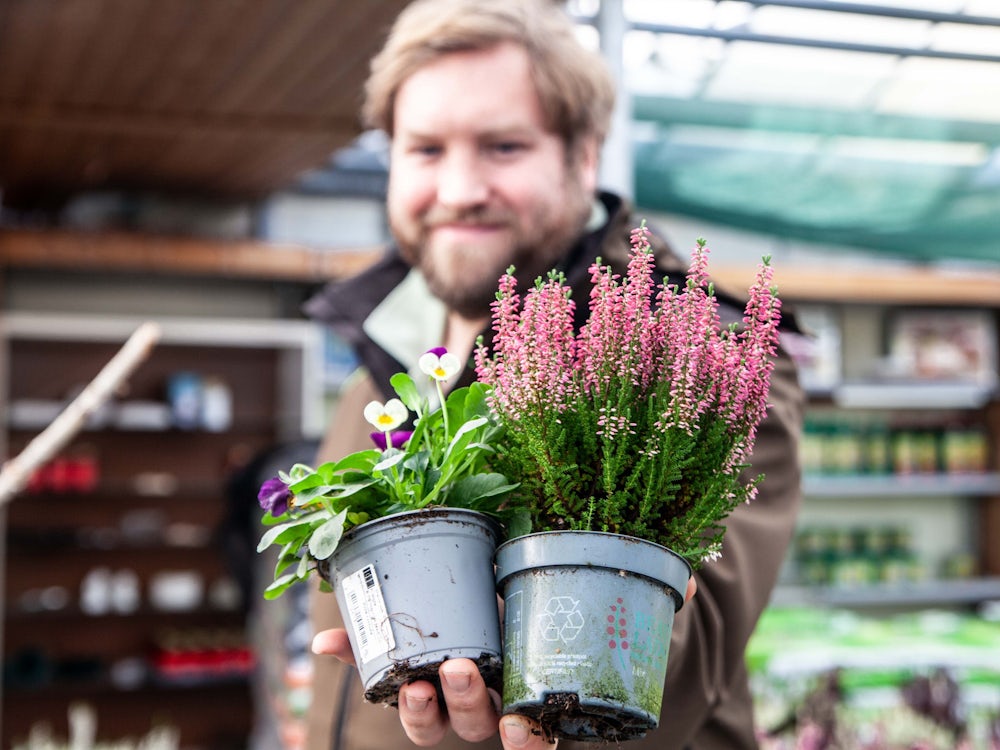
(444, 461)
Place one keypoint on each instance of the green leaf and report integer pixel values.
(475, 401)
(306, 496)
(463, 435)
(325, 539)
(517, 522)
(306, 483)
(291, 530)
(353, 488)
(407, 391)
(280, 585)
(392, 458)
(361, 460)
(468, 491)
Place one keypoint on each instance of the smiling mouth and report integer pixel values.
(467, 228)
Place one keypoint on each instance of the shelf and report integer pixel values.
(877, 284)
(891, 485)
(146, 616)
(913, 395)
(932, 593)
(190, 256)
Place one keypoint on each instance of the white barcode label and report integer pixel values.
(366, 610)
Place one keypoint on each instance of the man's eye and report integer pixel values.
(427, 150)
(507, 147)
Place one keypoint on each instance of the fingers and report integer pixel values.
(520, 733)
(692, 589)
(471, 709)
(420, 714)
(333, 643)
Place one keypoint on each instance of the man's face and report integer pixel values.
(477, 182)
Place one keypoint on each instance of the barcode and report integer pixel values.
(358, 618)
(366, 613)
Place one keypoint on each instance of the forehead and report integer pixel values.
(476, 90)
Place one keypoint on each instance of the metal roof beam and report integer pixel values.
(732, 35)
(865, 9)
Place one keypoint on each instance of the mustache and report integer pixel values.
(473, 215)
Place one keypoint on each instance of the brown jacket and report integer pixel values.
(707, 702)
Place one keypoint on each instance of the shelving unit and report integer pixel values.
(892, 450)
(893, 581)
(117, 589)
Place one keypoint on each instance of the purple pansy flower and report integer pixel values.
(274, 496)
(398, 438)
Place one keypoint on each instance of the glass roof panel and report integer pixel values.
(952, 89)
(752, 72)
(828, 25)
(748, 116)
(964, 38)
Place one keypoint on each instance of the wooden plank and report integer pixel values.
(196, 65)
(133, 252)
(75, 29)
(20, 54)
(875, 284)
(300, 85)
(292, 42)
(148, 56)
(96, 83)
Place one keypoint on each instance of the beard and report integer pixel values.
(466, 276)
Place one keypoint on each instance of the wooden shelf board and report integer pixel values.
(898, 285)
(146, 253)
(159, 254)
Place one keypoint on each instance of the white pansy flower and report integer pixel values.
(387, 416)
(439, 366)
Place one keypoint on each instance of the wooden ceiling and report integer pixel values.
(223, 97)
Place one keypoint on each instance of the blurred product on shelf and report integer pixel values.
(856, 556)
(194, 656)
(83, 722)
(873, 443)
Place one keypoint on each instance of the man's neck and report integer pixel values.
(460, 334)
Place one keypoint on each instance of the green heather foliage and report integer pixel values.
(642, 422)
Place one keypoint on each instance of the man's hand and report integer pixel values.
(473, 710)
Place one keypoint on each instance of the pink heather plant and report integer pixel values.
(642, 422)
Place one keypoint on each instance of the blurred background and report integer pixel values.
(201, 164)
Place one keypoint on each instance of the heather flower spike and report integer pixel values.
(642, 422)
(387, 416)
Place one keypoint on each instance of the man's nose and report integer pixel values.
(462, 181)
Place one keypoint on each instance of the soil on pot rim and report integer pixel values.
(562, 717)
(386, 690)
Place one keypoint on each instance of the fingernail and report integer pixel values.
(514, 731)
(417, 705)
(457, 681)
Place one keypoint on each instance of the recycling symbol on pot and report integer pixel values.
(561, 620)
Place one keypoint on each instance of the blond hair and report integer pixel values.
(573, 84)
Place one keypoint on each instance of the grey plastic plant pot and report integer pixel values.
(415, 589)
(587, 624)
